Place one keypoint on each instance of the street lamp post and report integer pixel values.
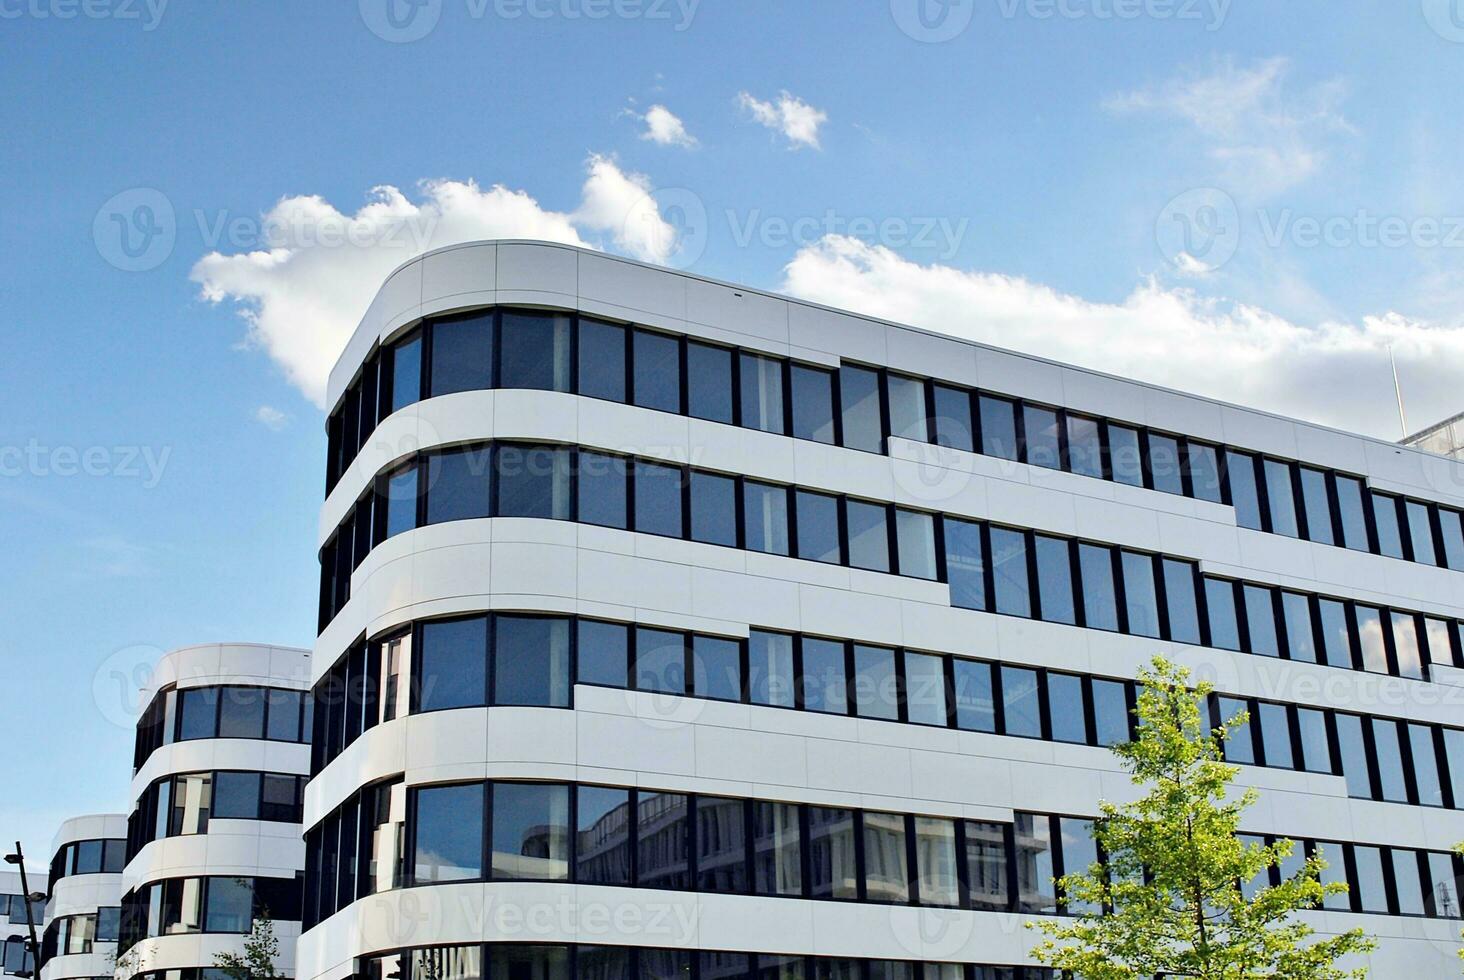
(18, 859)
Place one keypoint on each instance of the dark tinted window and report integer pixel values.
(1385, 519)
(1353, 753)
(406, 371)
(531, 660)
(1350, 512)
(241, 712)
(602, 489)
(965, 564)
(777, 851)
(534, 351)
(709, 382)
(998, 427)
(448, 844)
(1139, 596)
(532, 481)
(1179, 598)
(1009, 570)
(1220, 610)
(1300, 641)
(401, 500)
(1317, 507)
(1275, 732)
(1389, 753)
(1125, 461)
(818, 526)
(1336, 644)
(1239, 745)
(825, 681)
(602, 653)
(813, 403)
(1041, 435)
(601, 360)
(859, 395)
(986, 868)
(1035, 889)
(770, 678)
(1280, 497)
(832, 868)
(199, 709)
(886, 859)
(1065, 708)
(657, 363)
(1241, 470)
(1316, 751)
(662, 846)
(762, 393)
(953, 418)
(1204, 471)
(1425, 765)
(1164, 464)
(1420, 532)
(907, 408)
(1453, 534)
(876, 692)
(975, 700)
(716, 665)
(1260, 620)
(1085, 446)
(765, 513)
(1110, 712)
(1021, 707)
(602, 835)
(657, 499)
(660, 661)
(1055, 579)
(721, 845)
(457, 485)
(869, 535)
(1100, 600)
(452, 664)
(462, 353)
(714, 509)
(530, 832)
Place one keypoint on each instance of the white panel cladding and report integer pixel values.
(244, 848)
(204, 754)
(460, 277)
(248, 664)
(202, 950)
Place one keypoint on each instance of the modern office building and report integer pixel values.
(84, 909)
(214, 836)
(675, 629)
(15, 957)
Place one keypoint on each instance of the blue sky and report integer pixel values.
(1246, 199)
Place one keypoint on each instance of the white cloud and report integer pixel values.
(789, 115)
(1262, 136)
(306, 286)
(664, 128)
(1331, 372)
(270, 417)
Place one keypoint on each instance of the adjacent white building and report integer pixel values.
(672, 627)
(15, 956)
(213, 839)
(84, 910)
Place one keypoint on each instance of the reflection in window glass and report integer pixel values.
(776, 851)
(1110, 712)
(602, 835)
(452, 663)
(986, 864)
(1408, 881)
(1241, 469)
(241, 712)
(975, 700)
(1220, 612)
(1164, 471)
(1316, 747)
(925, 693)
(721, 845)
(662, 851)
(1350, 512)
(1040, 430)
(1353, 752)
(818, 526)
(1239, 745)
(708, 382)
(1316, 506)
(716, 665)
(1440, 645)
(998, 427)
(601, 360)
(602, 653)
(1079, 854)
(1260, 620)
(1085, 446)
(915, 538)
(1420, 532)
(1021, 707)
(869, 535)
(1280, 497)
(603, 484)
(876, 692)
(886, 867)
(1055, 579)
(657, 381)
(1442, 898)
(813, 403)
(1425, 765)
(953, 418)
(713, 509)
(1009, 571)
(1385, 519)
(660, 661)
(765, 513)
(1036, 892)
(1389, 754)
(1275, 735)
(532, 481)
(520, 962)
(531, 661)
(457, 485)
(1336, 643)
(1179, 598)
(1335, 872)
(1125, 461)
(935, 861)
(462, 353)
(530, 831)
(1452, 530)
(1370, 637)
(770, 669)
(965, 564)
(762, 393)
(406, 371)
(907, 407)
(1139, 597)
(860, 411)
(401, 500)
(1204, 472)
(1065, 708)
(1372, 893)
(1100, 601)
(833, 868)
(448, 843)
(534, 351)
(657, 499)
(825, 682)
(1405, 645)
(1300, 643)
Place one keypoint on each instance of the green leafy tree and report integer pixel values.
(1171, 879)
(261, 953)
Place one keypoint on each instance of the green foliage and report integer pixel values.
(1190, 918)
(261, 953)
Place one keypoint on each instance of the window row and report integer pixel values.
(13, 908)
(183, 804)
(535, 660)
(621, 836)
(72, 935)
(184, 973)
(225, 711)
(88, 857)
(176, 906)
(16, 958)
(860, 408)
(522, 961)
(989, 567)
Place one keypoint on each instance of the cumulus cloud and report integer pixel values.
(795, 119)
(304, 288)
(1262, 135)
(270, 417)
(664, 128)
(1331, 372)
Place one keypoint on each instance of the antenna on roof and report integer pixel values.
(1398, 391)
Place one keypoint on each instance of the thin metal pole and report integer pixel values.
(30, 917)
(1398, 391)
